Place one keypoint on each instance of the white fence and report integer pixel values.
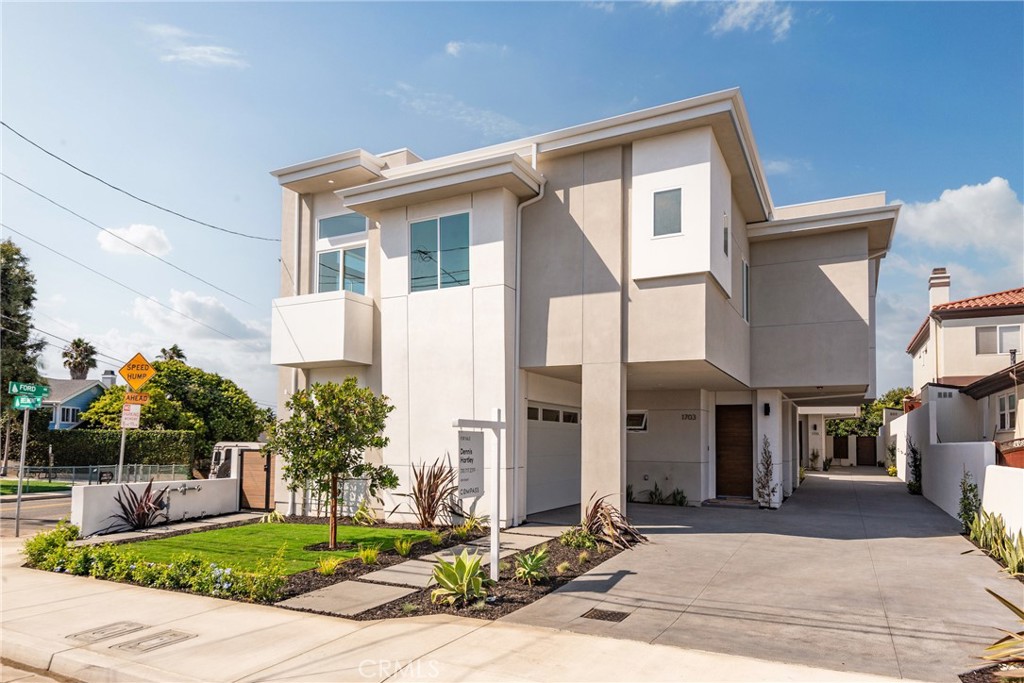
(93, 507)
(1004, 495)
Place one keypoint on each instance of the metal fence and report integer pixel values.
(103, 474)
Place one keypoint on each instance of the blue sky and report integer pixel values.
(190, 105)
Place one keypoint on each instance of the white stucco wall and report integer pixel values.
(1004, 495)
(671, 452)
(92, 506)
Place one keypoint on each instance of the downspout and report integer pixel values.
(295, 292)
(516, 440)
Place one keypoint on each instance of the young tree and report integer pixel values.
(325, 439)
(173, 353)
(870, 420)
(79, 357)
(19, 351)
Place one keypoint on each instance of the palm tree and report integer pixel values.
(173, 353)
(79, 357)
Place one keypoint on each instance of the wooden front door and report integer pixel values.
(866, 450)
(257, 475)
(734, 451)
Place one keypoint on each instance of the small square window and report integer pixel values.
(1009, 338)
(549, 415)
(570, 417)
(985, 339)
(532, 413)
(636, 421)
(668, 212)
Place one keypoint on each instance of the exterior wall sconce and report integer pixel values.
(767, 409)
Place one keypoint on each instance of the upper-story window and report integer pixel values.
(746, 291)
(341, 253)
(668, 212)
(439, 252)
(1007, 411)
(997, 339)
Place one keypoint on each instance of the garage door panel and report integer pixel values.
(553, 465)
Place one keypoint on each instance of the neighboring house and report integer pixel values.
(69, 398)
(998, 397)
(624, 293)
(962, 341)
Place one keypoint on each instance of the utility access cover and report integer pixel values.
(118, 628)
(154, 641)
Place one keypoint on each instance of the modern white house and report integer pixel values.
(623, 294)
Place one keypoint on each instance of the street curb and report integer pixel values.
(34, 496)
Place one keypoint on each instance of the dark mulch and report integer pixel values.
(508, 595)
(312, 580)
(1019, 577)
(988, 674)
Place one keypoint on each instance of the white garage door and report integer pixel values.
(552, 457)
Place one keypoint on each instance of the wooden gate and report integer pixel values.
(840, 447)
(734, 451)
(867, 450)
(256, 471)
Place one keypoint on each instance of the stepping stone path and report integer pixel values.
(349, 598)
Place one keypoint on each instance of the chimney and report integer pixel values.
(108, 379)
(938, 287)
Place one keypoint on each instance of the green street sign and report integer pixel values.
(27, 402)
(26, 389)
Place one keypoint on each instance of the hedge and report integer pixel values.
(77, 447)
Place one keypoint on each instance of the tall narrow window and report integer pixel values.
(355, 270)
(1007, 412)
(439, 253)
(746, 291)
(725, 233)
(668, 212)
(328, 271)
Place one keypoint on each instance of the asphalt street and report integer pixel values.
(36, 515)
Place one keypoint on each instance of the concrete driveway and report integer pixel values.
(851, 574)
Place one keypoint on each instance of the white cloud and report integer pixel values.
(456, 48)
(444, 106)
(178, 45)
(785, 166)
(985, 216)
(149, 237)
(606, 7)
(741, 15)
(206, 312)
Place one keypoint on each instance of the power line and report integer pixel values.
(58, 337)
(58, 346)
(115, 235)
(121, 284)
(136, 197)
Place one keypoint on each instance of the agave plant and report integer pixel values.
(459, 581)
(1010, 648)
(140, 511)
(606, 523)
(530, 566)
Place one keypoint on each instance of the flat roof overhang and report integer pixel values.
(879, 221)
(355, 167)
(508, 171)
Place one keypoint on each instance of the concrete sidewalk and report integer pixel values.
(52, 622)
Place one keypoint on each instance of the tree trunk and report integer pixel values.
(333, 544)
(7, 448)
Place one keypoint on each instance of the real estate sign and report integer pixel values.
(471, 464)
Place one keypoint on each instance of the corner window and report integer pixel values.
(1007, 405)
(340, 226)
(636, 421)
(342, 269)
(746, 291)
(69, 415)
(994, 339)
(439, 253)
(668, 212)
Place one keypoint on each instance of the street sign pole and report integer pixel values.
(120, 458)
(21, 474)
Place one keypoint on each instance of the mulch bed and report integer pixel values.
(509, 594)
(1019, 577)
(988, 674)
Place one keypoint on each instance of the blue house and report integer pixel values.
(69, 398)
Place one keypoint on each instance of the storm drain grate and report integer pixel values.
(604, 615)
(154, 641)
(118, 628)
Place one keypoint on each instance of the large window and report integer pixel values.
(439, 253)
(668, 212)
(342, 269)
(997, 339)
(1007, 411)
(69, 415)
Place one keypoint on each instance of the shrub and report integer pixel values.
(460, 533)
(364, 514)
(459, 581)
(327, 566)
(826, 464)
(475, 524)
(583, 557)
(435, 538)
(578, 537)
(892, 471)
(989, 532)
(803, 474)
(41, 546)
(677, 497)
(368, 553)
(563, 567)
(272, 517)
(434, 488)
(264, 584)
(403, 546)
(80, 447)
(764, 488)
(139, 511)
(1010, 648)
(914, 467)
(530, 566)
(655, 496)
(410, 608)
(629, 493)
(604, 522)
(970, 501)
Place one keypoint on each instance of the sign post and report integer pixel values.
(136, 373)
(471, 474)
(26, 397)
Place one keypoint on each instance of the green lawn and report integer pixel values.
(9, 487)
(242, 547)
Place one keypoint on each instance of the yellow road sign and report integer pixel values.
(137, 372)
(136, 399)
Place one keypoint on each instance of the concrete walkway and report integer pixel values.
(99, 631)
(852, 574)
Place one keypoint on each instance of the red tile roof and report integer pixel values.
(1011, 297)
